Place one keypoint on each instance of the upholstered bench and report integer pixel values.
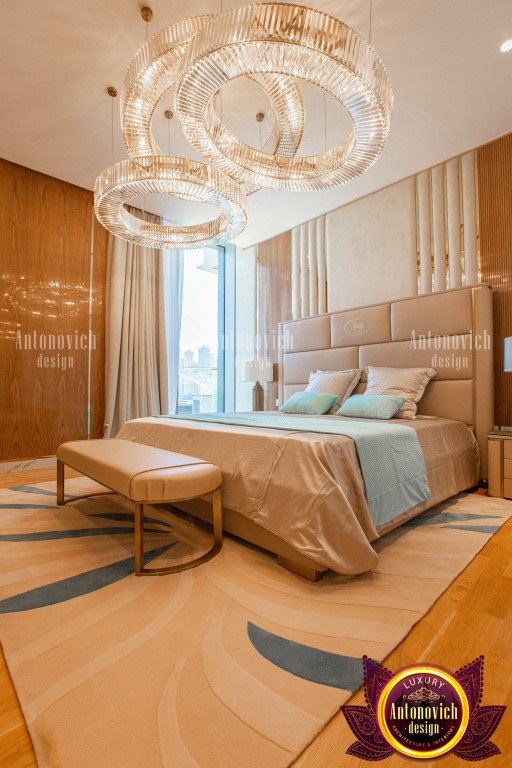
(145, 475)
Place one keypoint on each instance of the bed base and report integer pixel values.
(245, 529)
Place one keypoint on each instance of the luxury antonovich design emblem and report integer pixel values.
(423, 712)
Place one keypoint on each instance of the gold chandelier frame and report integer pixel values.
(278, 38)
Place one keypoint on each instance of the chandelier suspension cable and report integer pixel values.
(219, 91)
(112, 92)
(325, 121)
(370, 25)
(147, 15)
(112, 134)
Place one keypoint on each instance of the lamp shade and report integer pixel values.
(507, 355)
(258, 370)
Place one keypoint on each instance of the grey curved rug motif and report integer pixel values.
(126, 672)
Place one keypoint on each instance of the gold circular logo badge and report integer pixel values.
(423, 712)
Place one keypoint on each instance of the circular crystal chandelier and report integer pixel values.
(152, 72)
(293, 40)
(177, 176)
(276, 45)
(155, 69)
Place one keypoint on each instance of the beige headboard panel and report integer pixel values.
(450, 331)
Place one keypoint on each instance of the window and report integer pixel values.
(201, 369)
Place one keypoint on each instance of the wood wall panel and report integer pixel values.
(494, 163)
(45, 236)
(274, 277)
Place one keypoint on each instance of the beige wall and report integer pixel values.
(371, 248)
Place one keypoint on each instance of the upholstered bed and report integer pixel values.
(301, 494)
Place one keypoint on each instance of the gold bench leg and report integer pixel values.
(217, 517)
(140, 570)
(60, 482)
(139, 539)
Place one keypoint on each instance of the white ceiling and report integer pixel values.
(452, 89)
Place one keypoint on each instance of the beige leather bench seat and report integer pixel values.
(145, 475)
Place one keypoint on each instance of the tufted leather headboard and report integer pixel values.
(450, 331)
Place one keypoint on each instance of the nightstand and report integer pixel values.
(500, 464)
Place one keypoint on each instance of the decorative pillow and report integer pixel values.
(313, 403)
(371, 406)
(341, 383)
(408, 383)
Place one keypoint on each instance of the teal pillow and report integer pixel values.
(314, 403)
(371, 406)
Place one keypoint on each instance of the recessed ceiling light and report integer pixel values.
(506, 46)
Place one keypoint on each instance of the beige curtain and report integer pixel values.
(143, 319)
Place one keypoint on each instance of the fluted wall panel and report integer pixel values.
(439, 228)
(424, 231)
(309, 283)
(447, 225)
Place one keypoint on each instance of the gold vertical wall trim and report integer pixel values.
(461, 218)
(418, 267)
(432, 262)
(89, 326)
(446, 241)
(495, 213)
(477, 196)
(424, 231)
(439, 228)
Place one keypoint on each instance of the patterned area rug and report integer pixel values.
(234, 663)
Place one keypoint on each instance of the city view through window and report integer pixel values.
(198, 369)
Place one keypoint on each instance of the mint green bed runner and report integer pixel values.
(390, 456)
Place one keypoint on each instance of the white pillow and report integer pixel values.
(339, 383)
(408, 383)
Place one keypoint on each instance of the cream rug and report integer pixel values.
(235, 663)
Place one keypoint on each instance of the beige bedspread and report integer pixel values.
(307, 487)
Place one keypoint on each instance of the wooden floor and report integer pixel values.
(473, 617)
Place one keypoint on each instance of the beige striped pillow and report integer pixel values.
(408, 383)
(339, 383)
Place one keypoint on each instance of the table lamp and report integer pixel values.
(257, 371)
